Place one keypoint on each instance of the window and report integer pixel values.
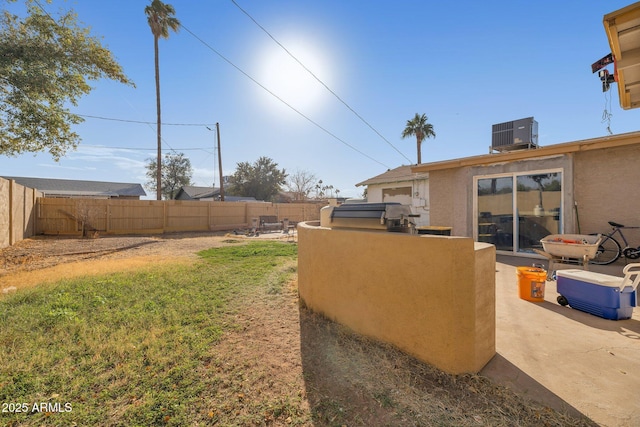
(535, 199)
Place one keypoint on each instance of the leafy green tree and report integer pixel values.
(176, 173)
(45, 67)
(161, 20)
(421, 129)
(262, 179)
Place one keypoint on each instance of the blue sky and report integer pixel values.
(466, 65)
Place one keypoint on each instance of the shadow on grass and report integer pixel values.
(351, 380)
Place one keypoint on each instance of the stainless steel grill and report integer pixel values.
(393, 217)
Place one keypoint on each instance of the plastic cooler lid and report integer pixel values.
(591, 277)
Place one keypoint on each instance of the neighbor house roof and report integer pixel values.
(399, 174)
(69, 187)
(611, 141)
(194, 192)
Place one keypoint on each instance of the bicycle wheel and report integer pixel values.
(608, 252)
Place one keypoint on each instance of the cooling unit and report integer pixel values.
(515, 135)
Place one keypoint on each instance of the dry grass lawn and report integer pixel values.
(280, 364)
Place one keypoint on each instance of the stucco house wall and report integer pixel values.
(431, 296)
(449, 194)
(599, 183)
(402, 186)
(607, 188)
(418, 198)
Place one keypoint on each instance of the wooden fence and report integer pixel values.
(113, 216)
(16, 212)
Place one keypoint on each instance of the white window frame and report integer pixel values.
(514, 175)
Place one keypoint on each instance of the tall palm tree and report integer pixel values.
(161, 20)
(421, 129)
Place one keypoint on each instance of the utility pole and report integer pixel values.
(220, 163)
(214, 165)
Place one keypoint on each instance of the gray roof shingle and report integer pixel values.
(195, 192)
(399, 174)
(70, 187)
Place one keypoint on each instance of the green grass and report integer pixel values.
(128, 349)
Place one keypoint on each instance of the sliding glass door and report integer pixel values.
(495, 212)
(535, 199)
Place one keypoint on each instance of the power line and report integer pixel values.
(139, 122)
(282, 100)
(119, 120)
(253, 80)
(319, 80)
(80, 115)
(143, 122)
(45, 12)
(206, 150)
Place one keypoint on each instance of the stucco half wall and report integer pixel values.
(431, 296)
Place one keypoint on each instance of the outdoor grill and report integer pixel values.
(393, 217)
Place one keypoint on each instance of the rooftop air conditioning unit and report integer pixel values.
(515, 135)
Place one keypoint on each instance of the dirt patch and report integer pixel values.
(48, 259)
(282, 364)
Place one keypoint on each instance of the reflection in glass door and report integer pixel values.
(495, 212)
(536, 204)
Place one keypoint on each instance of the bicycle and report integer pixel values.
(610, 250)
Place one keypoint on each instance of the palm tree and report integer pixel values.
(419, 128)
(161, 20)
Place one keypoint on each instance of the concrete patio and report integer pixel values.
(565, 358)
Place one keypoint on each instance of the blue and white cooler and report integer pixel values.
(602, 295)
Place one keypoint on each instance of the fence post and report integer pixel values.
(11, 184)
(164, 215)
(32, 218)
(25, 222)
(107, 220)
(24, 226)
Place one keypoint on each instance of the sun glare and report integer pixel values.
(286, 78)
